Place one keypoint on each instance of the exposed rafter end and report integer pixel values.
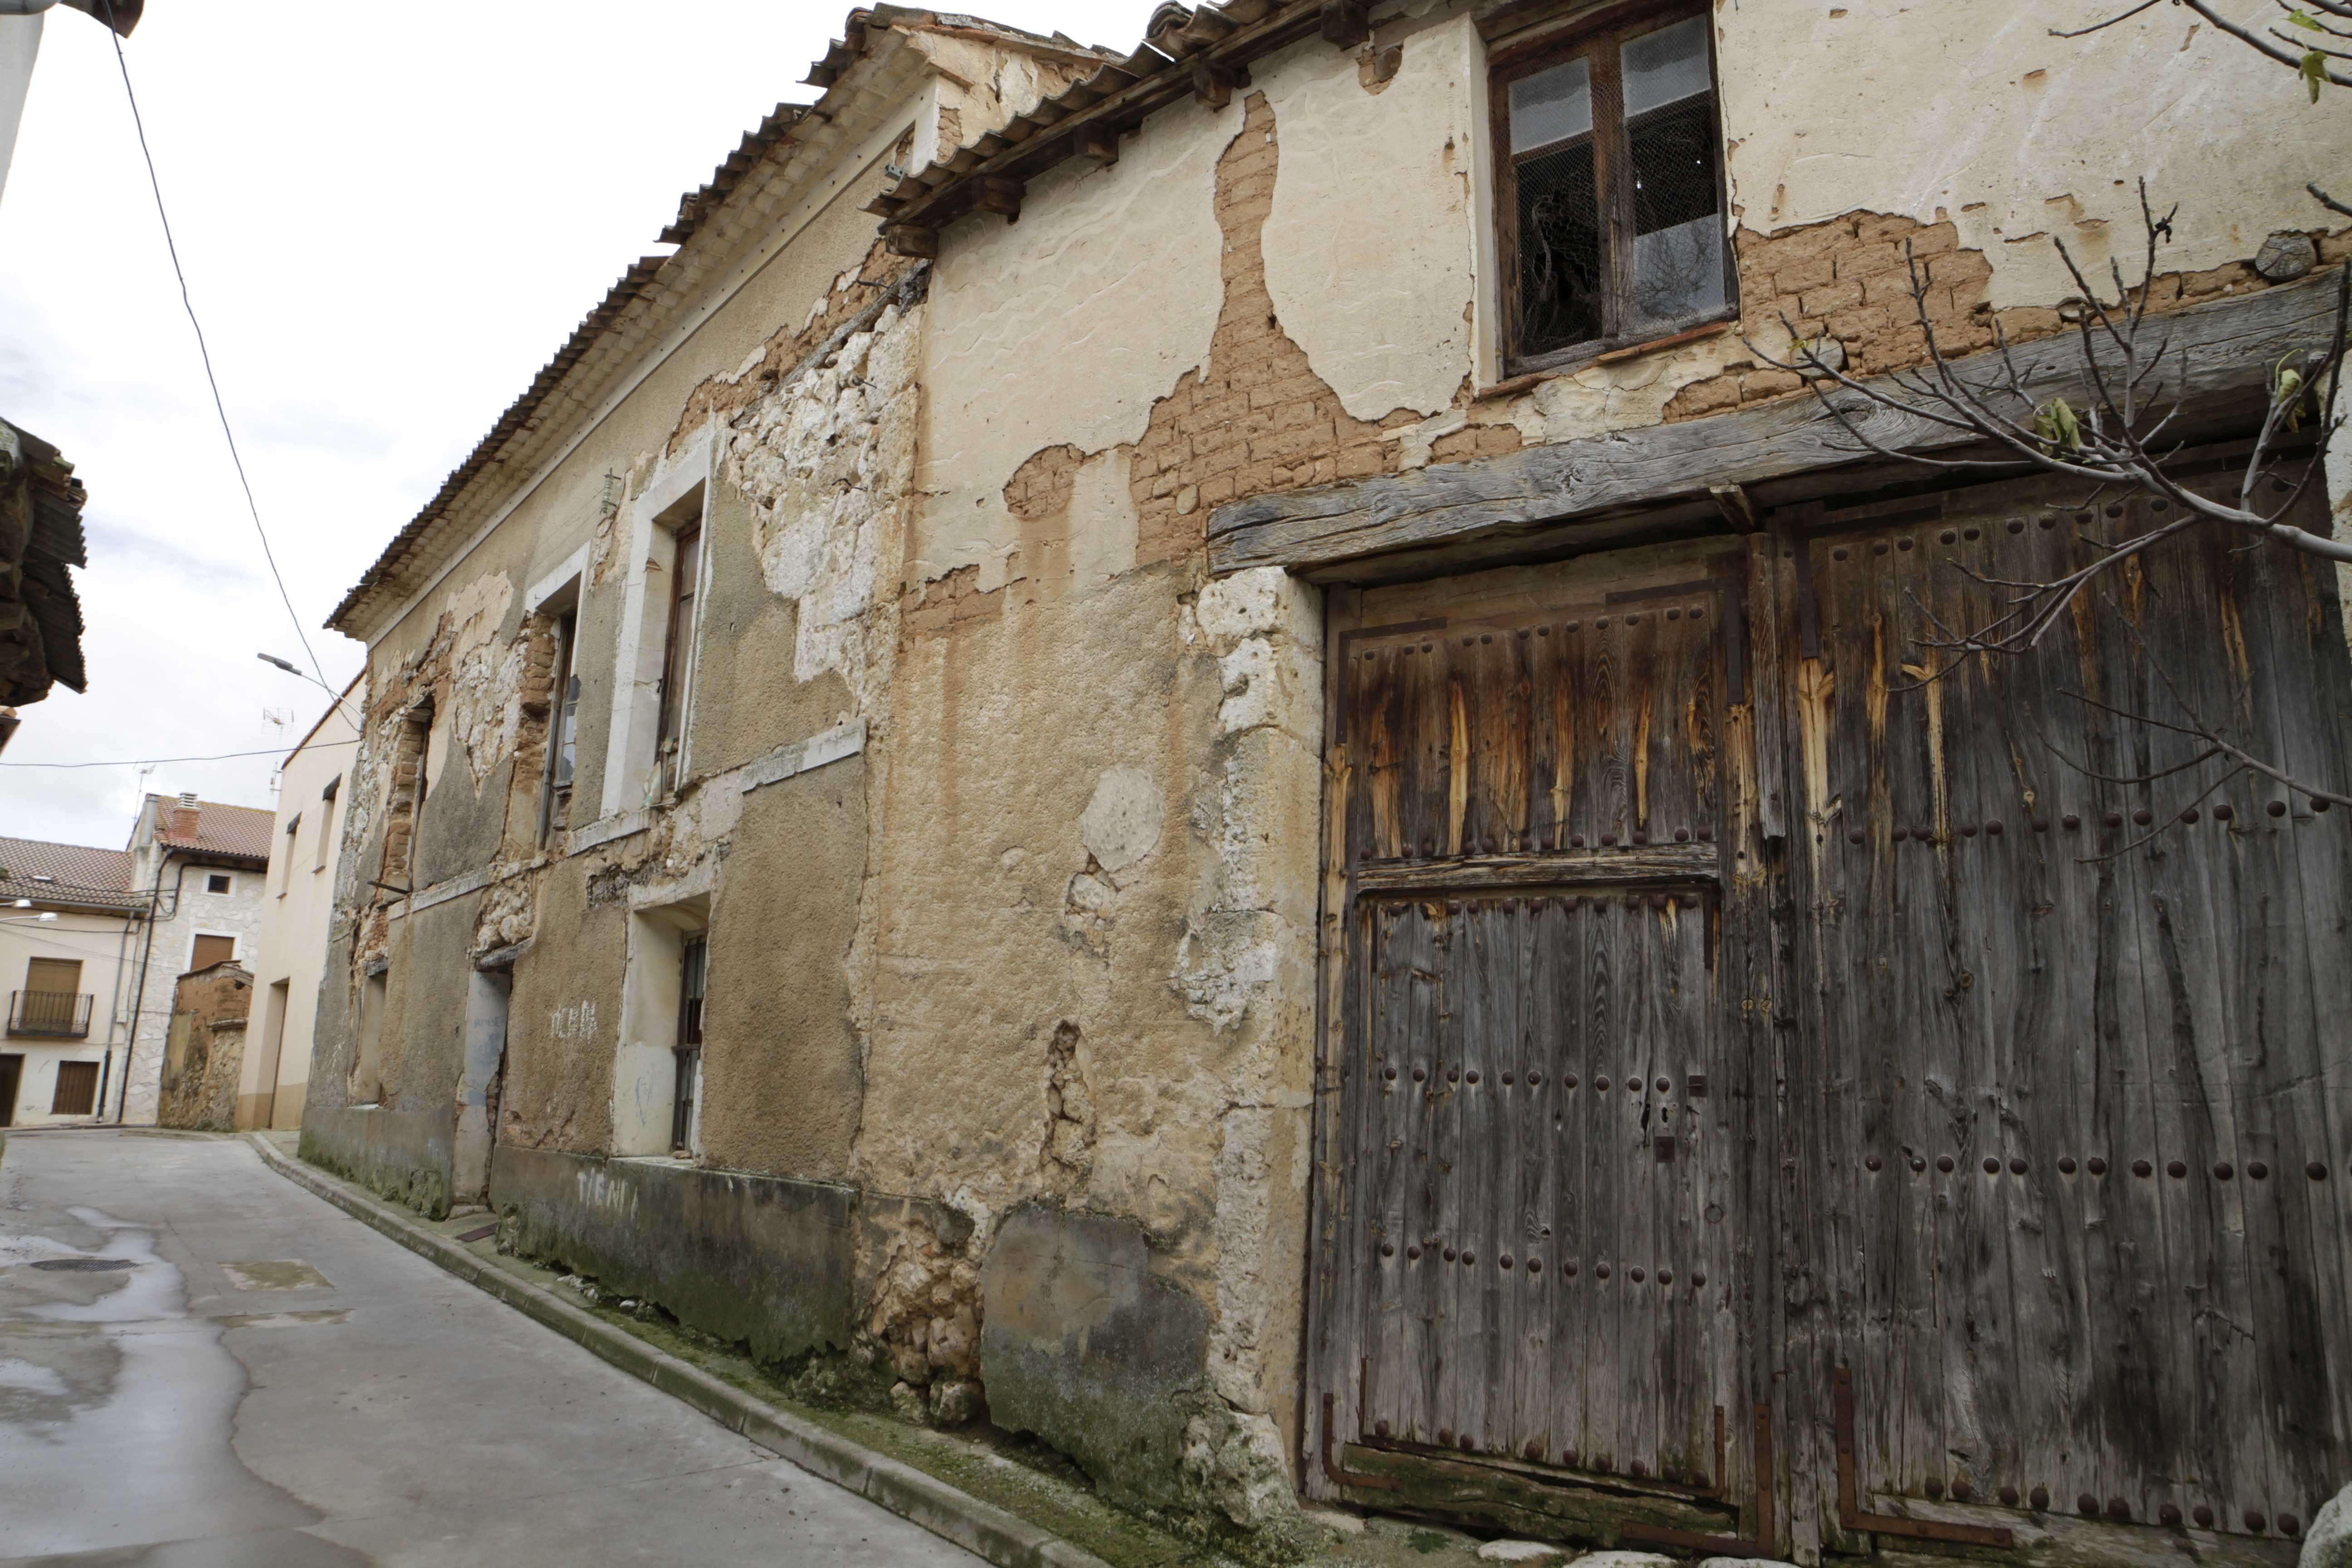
(1213, 84)
(1737, 506)
(905, 240)
(1096, 141)
(1347, 23)
(997, 193)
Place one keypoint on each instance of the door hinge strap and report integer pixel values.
(1338, 1476)
(1849, 1512)
(1758, 1544)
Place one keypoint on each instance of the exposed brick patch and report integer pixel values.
(949, 601)
(1851, 280)
(1260, 419)
(725, 396)
(1040, 487)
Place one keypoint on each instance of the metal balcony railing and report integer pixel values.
(52, 1014)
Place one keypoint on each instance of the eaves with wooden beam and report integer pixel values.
(1717, 473)
(1203, 54)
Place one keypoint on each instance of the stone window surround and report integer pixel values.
(677, 492)
(644, 1063)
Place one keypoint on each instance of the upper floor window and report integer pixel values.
(1610, 190)
(562, 730)
(678, 660)
(325, 820)
(216, 883)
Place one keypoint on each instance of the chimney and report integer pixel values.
(185, 818)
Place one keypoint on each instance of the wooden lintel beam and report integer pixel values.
(1347, 23)
(997, 193)
(905, 240)
(2218, 351)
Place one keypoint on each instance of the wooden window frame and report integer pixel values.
(678, 656)
(564, 708)
(1597, 35)
(693, 991)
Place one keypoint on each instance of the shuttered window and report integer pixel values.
(77, 1091)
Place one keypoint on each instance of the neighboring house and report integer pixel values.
(201, 867)
(290, 947)
(203, 1057)
(69, 930)
(1255, 784)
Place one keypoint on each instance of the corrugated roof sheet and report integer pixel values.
(77, 874)
(231, 832)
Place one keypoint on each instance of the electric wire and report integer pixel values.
(151, 762)
(204, 350)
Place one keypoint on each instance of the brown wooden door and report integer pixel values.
(12, 1068)
(1533, 1303)
(2067, 1122)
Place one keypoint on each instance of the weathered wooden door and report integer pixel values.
(1534, 1302)
(1775, 1070)
(2066, 1120)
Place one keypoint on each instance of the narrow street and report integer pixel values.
(201, 1364)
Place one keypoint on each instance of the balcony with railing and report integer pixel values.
(49, 1015)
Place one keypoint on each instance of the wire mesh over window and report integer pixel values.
(1615, 209)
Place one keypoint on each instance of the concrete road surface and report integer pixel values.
(202, 1366)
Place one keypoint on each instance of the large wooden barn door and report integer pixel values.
(2066, 1116)
(1533, 1301)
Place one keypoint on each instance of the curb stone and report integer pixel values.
(979, 1528)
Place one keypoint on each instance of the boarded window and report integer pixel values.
(77, 1091)
(211, 950)
(1611, 189)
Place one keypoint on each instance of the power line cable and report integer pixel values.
(203, 351)
(149, 762)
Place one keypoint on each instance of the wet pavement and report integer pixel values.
(201, 1364)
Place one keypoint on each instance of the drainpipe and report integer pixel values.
(113, 1014)
(139, 998)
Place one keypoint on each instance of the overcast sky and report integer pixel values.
(389, 222)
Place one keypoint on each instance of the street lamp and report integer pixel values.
(290, 667)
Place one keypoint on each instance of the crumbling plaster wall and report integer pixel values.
(1093, 988)
(2008, 138)
(2019, 136)
(1066, 328)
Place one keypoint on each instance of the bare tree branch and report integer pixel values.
(2116, 442)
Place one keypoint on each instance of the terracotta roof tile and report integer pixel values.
(1184, 50)
(233, 832)
(74, 873)
(864, 27)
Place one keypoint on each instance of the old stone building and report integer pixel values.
(203, 1054)
(1192, 743)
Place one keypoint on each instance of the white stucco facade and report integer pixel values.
(289, 947)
